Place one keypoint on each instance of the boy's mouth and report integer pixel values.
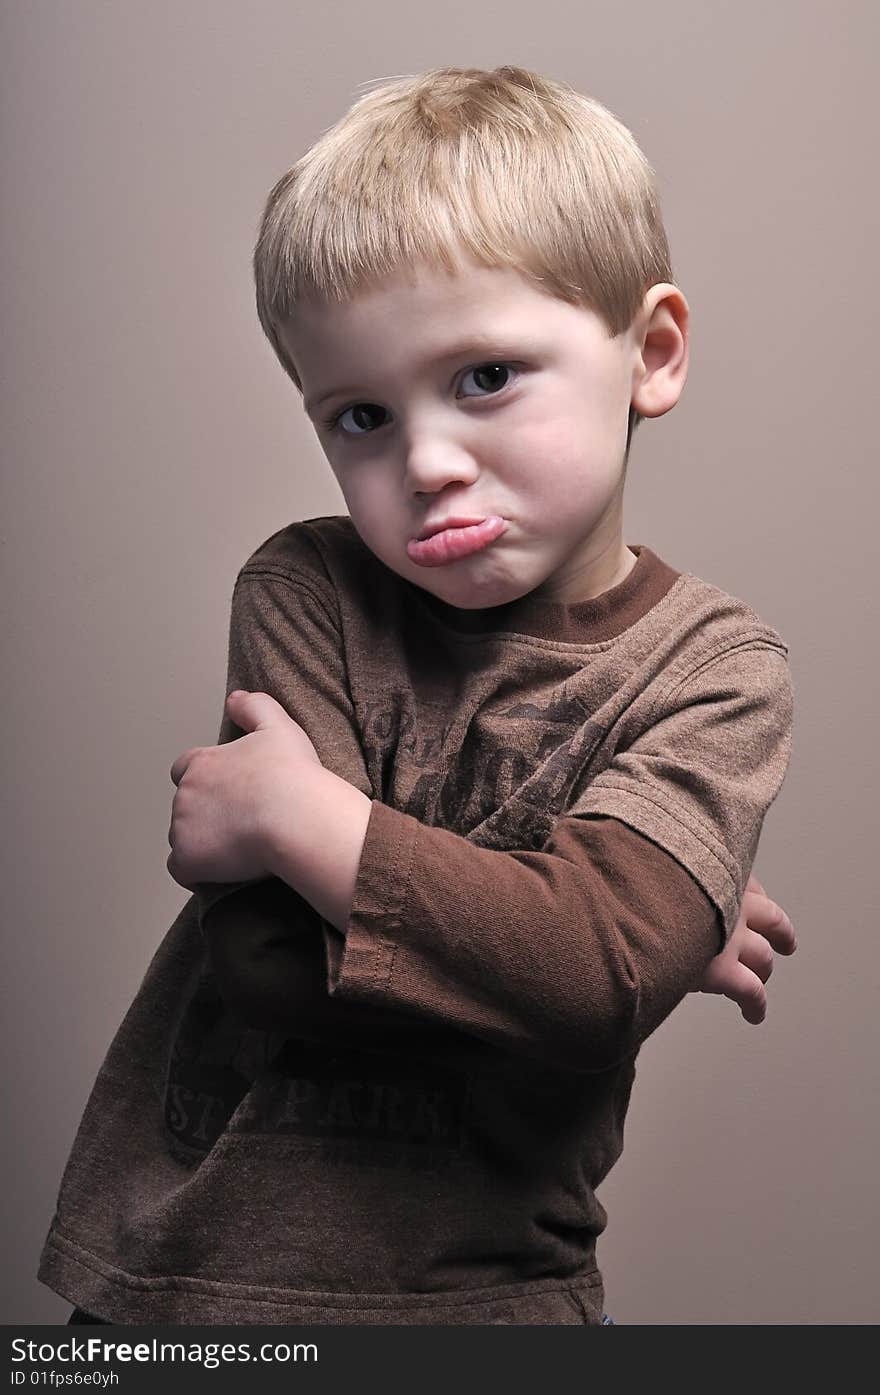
(455, 538)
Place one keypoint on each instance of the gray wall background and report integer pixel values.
(152, 441)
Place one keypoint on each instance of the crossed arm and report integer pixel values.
(239, 816)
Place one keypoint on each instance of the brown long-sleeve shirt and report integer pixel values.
(408, 1122)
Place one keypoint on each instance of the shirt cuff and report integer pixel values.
(359, 964)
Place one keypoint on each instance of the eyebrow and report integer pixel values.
(489, 346)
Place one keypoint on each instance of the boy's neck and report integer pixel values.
(602, 573)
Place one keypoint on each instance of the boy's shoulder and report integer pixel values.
(325, 555)
(305, 544)
(722, 618)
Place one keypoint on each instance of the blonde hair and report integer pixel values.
(514, 169)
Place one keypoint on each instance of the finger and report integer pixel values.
(738, 983)
(255, 711)
(748, 993)
(757, 955)
(754, 885)
(771, 921)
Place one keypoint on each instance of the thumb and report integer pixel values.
(253, 711)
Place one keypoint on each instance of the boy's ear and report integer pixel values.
(662, 333)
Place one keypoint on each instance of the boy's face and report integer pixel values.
(476, 397)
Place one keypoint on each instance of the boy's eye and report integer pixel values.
(360, 415)
(489, 378)
(488, 373)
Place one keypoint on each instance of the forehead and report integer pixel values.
(412, 294)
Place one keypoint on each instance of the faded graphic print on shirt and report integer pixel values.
(363, 1107)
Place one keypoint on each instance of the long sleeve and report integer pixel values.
(575, 953)
(572, 955)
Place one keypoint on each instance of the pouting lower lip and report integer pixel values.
(453, 543)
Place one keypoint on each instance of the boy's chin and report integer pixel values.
(468, 594)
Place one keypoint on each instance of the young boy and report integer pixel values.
(489, 783)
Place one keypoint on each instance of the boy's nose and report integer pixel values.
(434, 462)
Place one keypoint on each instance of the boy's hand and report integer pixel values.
(229, 797)
(746, 962)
